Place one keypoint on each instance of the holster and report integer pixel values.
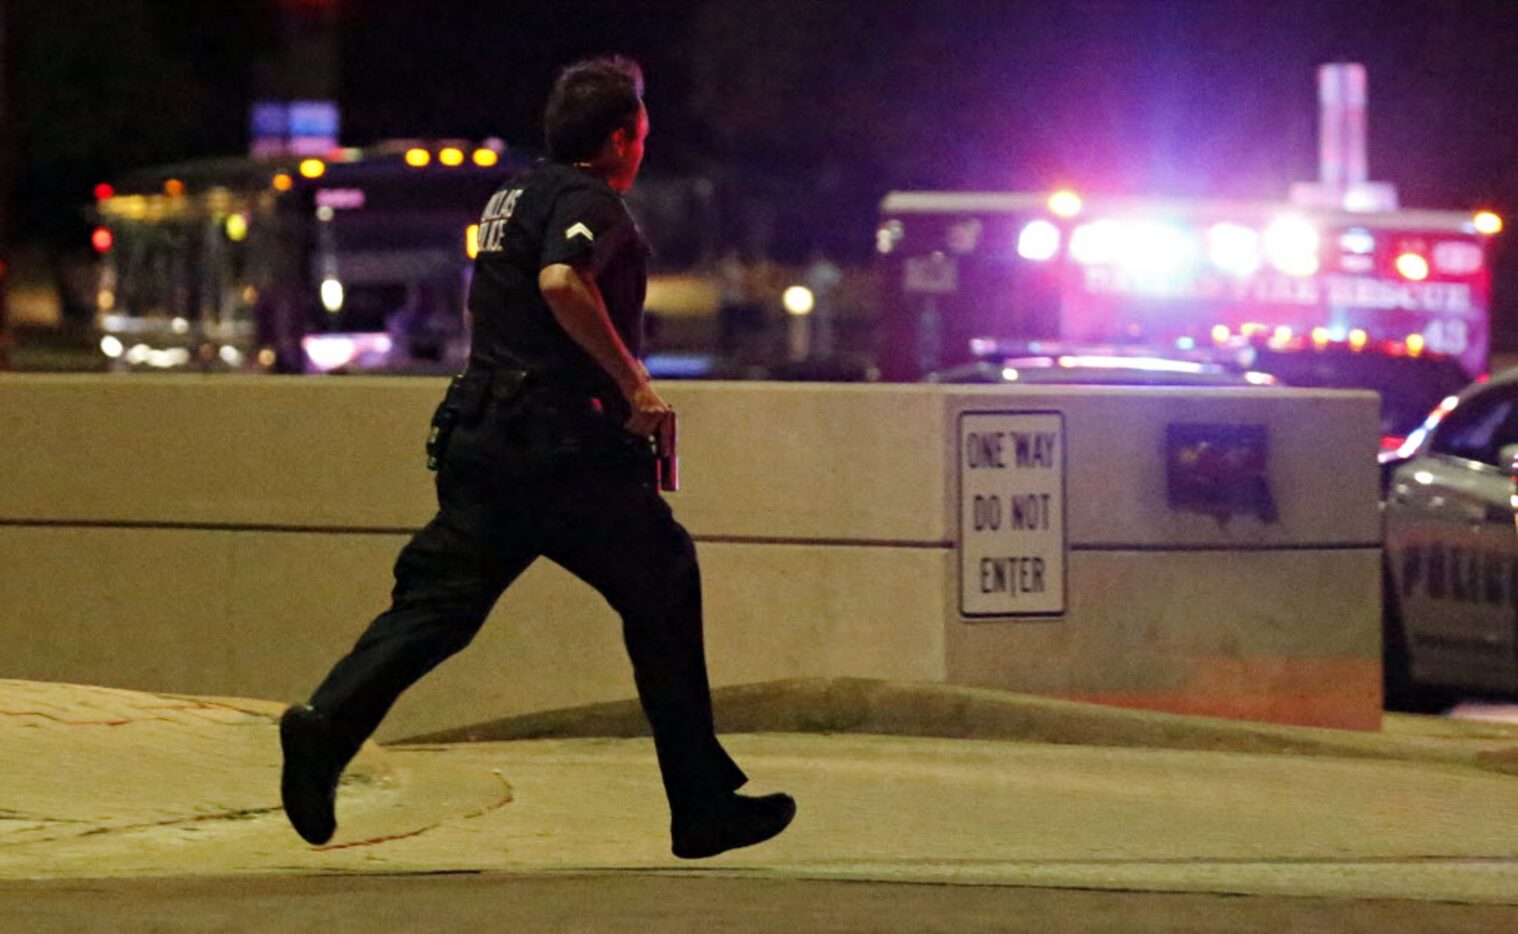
(506, 385)
(463, 404)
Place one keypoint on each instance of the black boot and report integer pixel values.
(314, 761)
(727, 822)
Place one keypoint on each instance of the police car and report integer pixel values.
(1451, 600)
(1098, 368)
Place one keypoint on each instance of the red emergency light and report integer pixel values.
(102, 239)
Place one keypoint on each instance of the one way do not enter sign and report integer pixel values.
(1011, 514)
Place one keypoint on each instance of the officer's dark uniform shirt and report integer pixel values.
(554, 213)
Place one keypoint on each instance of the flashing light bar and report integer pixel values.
(1145, 246)
(1415, 439)
(1065, 203)
(1234, 249)
(1039, 241)
(1413, 267)
(1357, 240)
(1291, 243)
(328, 352)
(1095, 243)
(1154, 246)
(1457, 257)
(1149, 364)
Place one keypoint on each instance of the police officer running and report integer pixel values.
(542, 448)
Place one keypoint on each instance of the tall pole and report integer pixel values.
(6, 135)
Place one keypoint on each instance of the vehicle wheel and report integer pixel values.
(1400, 692)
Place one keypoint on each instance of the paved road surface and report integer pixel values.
(700, 905)
(128, 811)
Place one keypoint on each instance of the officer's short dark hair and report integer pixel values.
(589, 101)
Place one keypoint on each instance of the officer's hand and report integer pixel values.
(649, 411)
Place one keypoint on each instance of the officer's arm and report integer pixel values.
(577, 305)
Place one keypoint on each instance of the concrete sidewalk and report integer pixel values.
(102, 783)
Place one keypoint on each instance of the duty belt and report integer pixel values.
(509, 383)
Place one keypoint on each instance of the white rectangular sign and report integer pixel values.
(1011, 514)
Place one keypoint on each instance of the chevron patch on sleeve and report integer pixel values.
(579, 230)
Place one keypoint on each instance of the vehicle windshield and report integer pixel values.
(171, 274)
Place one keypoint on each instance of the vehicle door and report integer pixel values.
(1452, 546)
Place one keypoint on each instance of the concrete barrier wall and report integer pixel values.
(264, 614)
(234, 535)
(1180, 611)
(777, 462)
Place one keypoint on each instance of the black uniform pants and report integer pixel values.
(529, 472)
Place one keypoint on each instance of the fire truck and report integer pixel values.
(1338, 270)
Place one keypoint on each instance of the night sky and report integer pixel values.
(831, 102)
